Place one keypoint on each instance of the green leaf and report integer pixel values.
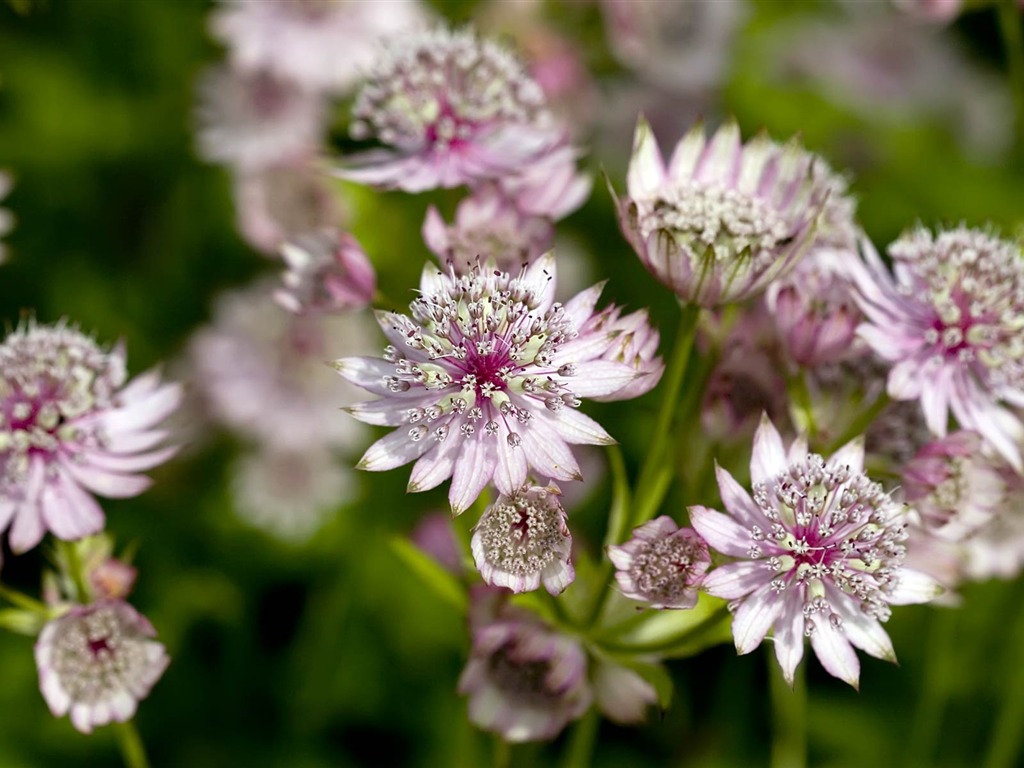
(671, 633)
(430, 572)
(21, 622)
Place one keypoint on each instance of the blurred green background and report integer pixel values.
(333, 654)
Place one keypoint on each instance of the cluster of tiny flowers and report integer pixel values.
(722, 220)
(523, 540)
(328, 271)
(661, 564)
(69, 425)
(821, 551)
(484, 381)
(457, 110)
(950, 327)
(97, 662)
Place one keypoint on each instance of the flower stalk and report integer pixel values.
(130, 743)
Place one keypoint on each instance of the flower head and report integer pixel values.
(723, 219)
(819, 550)
(633, 341)
(70, 425)
(319, 45)
(484, 381)
(97, 662)
(328, 271)
(456, 109)
(662, 564)
(525, 681)
(522, 540)
(948, 322)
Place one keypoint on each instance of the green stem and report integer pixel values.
(618, 529)
(579, 752)
(940, 653)
(74, 564)
(1013, 49)
(789, 717)
(502, 753)
(691, 634)
(649, 493)
(1005, 745)
(800, 397)
(130, 743)
(22, 600)
(860, 424)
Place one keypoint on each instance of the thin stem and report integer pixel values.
(800, 396)
(789, 717)
(1005, 745)
(130, 743)
(74, 564)
(580, 750)
(502, 753)
(1013, 48)
(22, 600)
(618, 528)
(650, 494)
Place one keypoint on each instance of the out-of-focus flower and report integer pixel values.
(814, 309)
(289, 494)
(455, 109)
(819, 553)
(283, 202)
(551, 187)
(70, 425)
(939, 11)
(320, 45)
(525, 681)
(487, 227)
(632, 340)
(261, 371)
(523, 540)
(328, 271)
(681, 46)
(251, 121)
(435, 535)
(6, 217)
(948, 322)
(954, 486)
(97, 662)
(485, 380)
(723, 219)
(662, 564)
(620, 693)
(996, 550)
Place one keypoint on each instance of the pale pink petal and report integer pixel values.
(769, 457)
(735, 580)
(754, 618)
(835, 652)
(720, 531)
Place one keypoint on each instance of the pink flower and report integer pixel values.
(819, 553)
(322, 45)
(487, 226)
(251, 121)
(633, 341)
(97, 662)
(69, 425)
(662, 564)
(455, 109)
(328, 271)
(551, 187)
(938, 11)
(954, 486)
(484, 381)
(522, 540)
(948, 322)
(525, 681)
(722, 220)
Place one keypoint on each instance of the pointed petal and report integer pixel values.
(393, 450)
(720, 531)
(646, 167)
(835, 652)
(735, 580)
(474, 468)
(769, 457)
(754, 618)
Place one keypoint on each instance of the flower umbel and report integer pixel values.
(949, 322)
(662, 564)
(522, 540)
(97, 662)
(68, 425)
(820, 554)
(456, 109)
(723, 219)
(484, 381)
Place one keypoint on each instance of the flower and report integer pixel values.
(662, 564)
(97, 662)
(484, 381)
(523, 539)
(633, 341)
(320, 45)
(525, 681)
(938, 11)
(954, 486)
(456, 110)
(487, 227)
(69, 425)
(723, 219)
(948, 322)
(820, 554)
(550, 187)
(252, 121)
(328, 271)
(260, 371)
